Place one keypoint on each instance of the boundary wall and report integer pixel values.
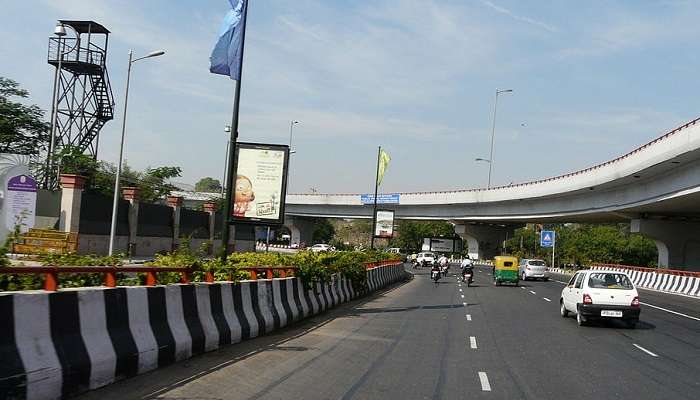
(57, 344)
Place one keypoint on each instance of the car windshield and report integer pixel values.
(607, 280)
(536, 263)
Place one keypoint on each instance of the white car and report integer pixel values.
(600, 294)
(426, 257)
(532, 269)
(319, 247)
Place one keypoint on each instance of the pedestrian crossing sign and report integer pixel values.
(547, 238)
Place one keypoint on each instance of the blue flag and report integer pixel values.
(226, 56)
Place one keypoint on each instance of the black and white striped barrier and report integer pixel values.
(54, 344)
(676, 284)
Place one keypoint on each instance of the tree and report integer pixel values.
(324, 231)
(207, 184)
(22, 129)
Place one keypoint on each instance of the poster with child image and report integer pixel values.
(260, 183)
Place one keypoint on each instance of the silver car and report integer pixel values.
(532, 269)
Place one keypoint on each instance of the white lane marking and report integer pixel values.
(522, 287)
(670, 311)
(460, 290)
(563, 283)
(485, 385)
(469, 317)
(488, 273)
(462, 295)
(465, 304)
(472, 342)
(645, 350)
(532, 292)
(546, 299)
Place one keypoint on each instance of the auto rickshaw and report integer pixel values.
(505, 270)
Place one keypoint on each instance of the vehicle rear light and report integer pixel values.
(635, 301)
(587, 299)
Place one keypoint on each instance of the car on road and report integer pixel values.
(600, 294)
(532, 269)
(319, 247)
(426, 258)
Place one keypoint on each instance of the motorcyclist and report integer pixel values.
(467, 267)
(435, 272)
(444, 265)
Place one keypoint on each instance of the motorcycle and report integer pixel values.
(435, 275)
(467, 277)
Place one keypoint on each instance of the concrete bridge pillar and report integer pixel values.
(678, 242)
(484, 241)
(301, 229)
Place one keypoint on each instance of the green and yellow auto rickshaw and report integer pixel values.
(505, 270)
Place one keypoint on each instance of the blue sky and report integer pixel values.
(591, 80)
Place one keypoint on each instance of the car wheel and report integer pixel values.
(580, 320)
(562, 310)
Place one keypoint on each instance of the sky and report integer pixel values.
(591, 81)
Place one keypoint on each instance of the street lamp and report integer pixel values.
(227, 129)
(113, 228)
(493, 131)
(291, 131)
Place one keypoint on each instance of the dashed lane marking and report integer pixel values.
(645, 350)
(484, 379)
(469, 317)
(472, 342)
(465, 304)
(546, 299)
(532, 292)
(462, 295)
(522, 287)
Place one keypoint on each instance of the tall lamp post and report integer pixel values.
(291, 132)
(113, 228)
(493, 132)
(227, 129)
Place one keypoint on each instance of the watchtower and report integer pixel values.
(82, 98)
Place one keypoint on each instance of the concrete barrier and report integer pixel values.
(646, 279)
(56, 344)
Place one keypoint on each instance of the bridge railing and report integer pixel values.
(646, 269)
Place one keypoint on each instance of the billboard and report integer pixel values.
(260, 187)
(442, 245)
(384, 226)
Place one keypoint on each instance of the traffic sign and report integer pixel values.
(547, 238)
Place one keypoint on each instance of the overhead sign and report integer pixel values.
(20, 202)
(384, 226)
(261, 183)
(547, 238)
(388, 198)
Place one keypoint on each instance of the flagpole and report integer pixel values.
(376, 189)
(231, 167)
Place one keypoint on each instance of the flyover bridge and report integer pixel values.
(655, 187)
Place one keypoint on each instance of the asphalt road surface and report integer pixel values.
(422, 340)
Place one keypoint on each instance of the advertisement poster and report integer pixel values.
(20, 202)
(442, 245)
(261, 183)
(385, 224)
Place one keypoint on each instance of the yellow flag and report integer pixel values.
(383, 163)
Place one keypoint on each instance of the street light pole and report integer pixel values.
(113, 227)
(493, 131)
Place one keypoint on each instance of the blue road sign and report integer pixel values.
(547, 238)
(387, 198)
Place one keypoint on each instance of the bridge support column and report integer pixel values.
(484, 241)
(678, 242)
(302, 230)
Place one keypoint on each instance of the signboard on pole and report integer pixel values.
(384, 227)
(386, 198)
(547, 238)
(20, 202)
(260, 187)
(442, 245)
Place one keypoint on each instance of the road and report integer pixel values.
(420, 340)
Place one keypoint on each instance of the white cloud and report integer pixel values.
(527, 20)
